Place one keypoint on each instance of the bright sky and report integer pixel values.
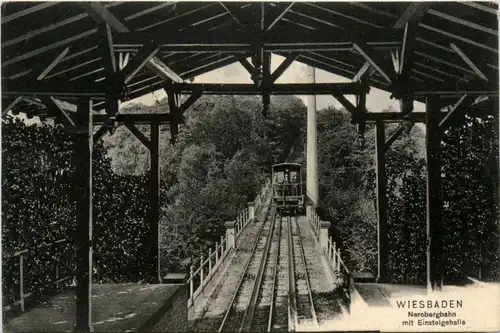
(376, 101)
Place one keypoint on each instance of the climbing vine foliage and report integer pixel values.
(38, 212)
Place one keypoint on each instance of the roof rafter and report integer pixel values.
(145, 54)
(370, 57)
(53, 64)
(279, 17)
(283, 67)
(463, 102)
(413, 13)
(52, 104)
(162, 70)
(103, 16)
(11, 104)
(463, 22)
(27, 11)
(469, 62)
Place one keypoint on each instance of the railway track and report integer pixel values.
(301, 303)
(264, 314)
(242, 307)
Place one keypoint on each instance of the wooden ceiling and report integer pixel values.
(454, 46)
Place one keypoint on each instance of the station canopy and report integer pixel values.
(67, 50)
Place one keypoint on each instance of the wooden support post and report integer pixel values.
(82, 157)
(154, 199)
(382, 231)
(434, 246)
(266, 76)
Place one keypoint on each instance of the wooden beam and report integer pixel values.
(394, 136)
(266, 73)
(367, 53)
(154, 212)
(406, 58)
(243, 40)
(139, 135)
(10, 104)
(463, 22)
(363, 72)
(49, 47)
(145, 54)
(346, 104)
(350, 19)
(134, 118)
(52, 104)
(283, 67)
(361, 106)
(458, 88)
(53, 64)
(103, 16)
(82, 160)
(150, 10)
(50, 27)
(236, 13)
(460, 38)
(435, 264)
(382, 228)
(30, 10)
(52, 88)
(112, 106)
(190, 101)
(413, 13)
(163, 71)
(275, 89)
(480, 6)
(462, 103)
(469, 62)
(279, 17)
(108, 52)
(247, 65)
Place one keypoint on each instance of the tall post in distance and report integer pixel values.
(312, 147)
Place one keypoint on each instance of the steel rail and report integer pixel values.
(250, 310)
(306, 277)
(275, 276)
(242, 278)
(292, 292)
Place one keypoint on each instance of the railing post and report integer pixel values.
(209, 262)
(201, 271)
(222, 248)
(21, 281)
(338, 260)
(191, 283)
(330, 250)
(323, 233)
(230, 234)
(334, 257)
(216, 252)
